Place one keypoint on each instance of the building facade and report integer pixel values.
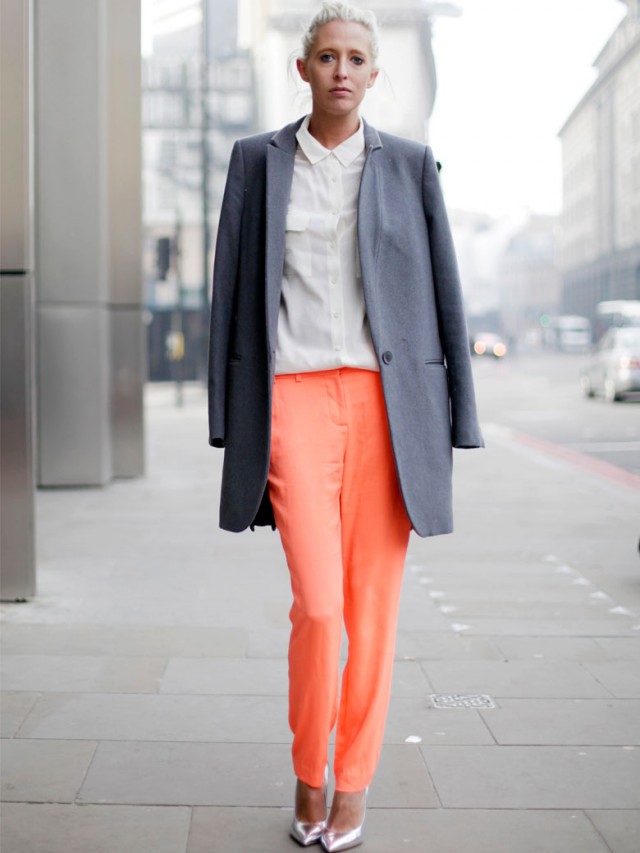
(600, 227)
(404, 95)
(198, 97)
(510, 272)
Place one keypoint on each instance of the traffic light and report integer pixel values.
(163, 257)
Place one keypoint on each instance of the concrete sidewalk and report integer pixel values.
(144, 689)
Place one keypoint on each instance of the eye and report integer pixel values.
(357, 60)
(326, 57)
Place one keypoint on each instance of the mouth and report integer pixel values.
(340, 90)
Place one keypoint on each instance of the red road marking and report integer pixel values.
(581, 460)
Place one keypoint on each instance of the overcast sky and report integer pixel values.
(509, 74)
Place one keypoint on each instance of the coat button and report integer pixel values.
(387, 357)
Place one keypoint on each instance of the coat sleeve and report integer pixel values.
(225, 271)
(453, 328)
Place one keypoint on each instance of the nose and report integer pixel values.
(341, 69)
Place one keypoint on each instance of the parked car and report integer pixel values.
(488, 343)
(614, 367)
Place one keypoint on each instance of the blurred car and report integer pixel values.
(488, 343)
(568, 333)
(614, 367)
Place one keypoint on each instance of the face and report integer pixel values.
(339, 68)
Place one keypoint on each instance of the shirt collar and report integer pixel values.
(346, 152)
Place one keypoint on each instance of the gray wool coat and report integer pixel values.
(414, 307)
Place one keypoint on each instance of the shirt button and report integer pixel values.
(387, 357)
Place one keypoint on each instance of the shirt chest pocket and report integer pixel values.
(297, 247)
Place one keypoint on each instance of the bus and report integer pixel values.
(616, 312)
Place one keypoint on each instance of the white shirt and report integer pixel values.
(322, 322)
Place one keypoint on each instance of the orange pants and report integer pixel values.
(344, 529)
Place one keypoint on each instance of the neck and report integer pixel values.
(331, 131)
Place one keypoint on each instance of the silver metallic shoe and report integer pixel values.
(307, 834)
(333, 841)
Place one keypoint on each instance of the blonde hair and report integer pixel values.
(333, 11)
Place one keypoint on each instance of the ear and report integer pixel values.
(302, 69)
(372, 79)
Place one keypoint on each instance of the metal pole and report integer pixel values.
(178, 325)
(205, 124)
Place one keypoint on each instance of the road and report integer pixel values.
(538, 394)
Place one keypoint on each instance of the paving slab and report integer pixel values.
(620, 677)
(423, 645)
(528, 606)
(412, 717)
(241, 830)
(595, 628)
(196, 597)
(268, 643)
(235, 676)
(416, 612)
(276, 611)
(86, 673)
(263, 677)
(588, 722)
(402, 780)
(122, 640)
(477, 831)
(43, 771)
(14, 707)
(49, 828)
(233, 775)
(532, 679)
(554, 649)
(516, 575)
(535, 777)
(449, 559)
(253, 830)
(620, 829)
(119, 716)
(518, 581)
(163, 773)
(409, 680)
(620, 648)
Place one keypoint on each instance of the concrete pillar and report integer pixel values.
(128, 352)
(88, 226)
(17, 510)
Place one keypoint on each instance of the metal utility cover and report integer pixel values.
(462, 700)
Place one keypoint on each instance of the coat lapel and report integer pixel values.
(370, 212)
(280, 158)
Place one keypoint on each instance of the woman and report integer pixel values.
(339, 381)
